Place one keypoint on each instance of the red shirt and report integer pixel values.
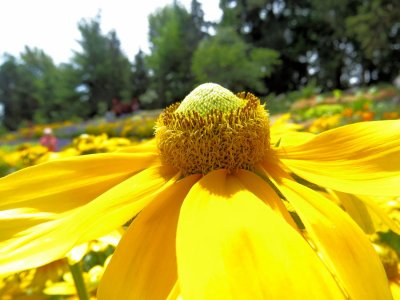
(49, 141)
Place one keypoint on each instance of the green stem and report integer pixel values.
(76, 272)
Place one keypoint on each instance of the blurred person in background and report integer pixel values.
(48, 139)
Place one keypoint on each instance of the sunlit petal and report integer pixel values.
(264, 192)
(175, 293)
(46, 192)
(357, 210)
(231, 245)
(36, 242)
(361, 158)
(144, 147)
(58, 186)
(289, 138)
(342, 244)
(380, 213)
(144, 264)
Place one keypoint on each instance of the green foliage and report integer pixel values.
(321, 110)
(376, 27)
(174, 35)
(282, 102)
(286, 47)
(274, 25)
(46, 84)
(149, 100)
(10, 95)
(34, 90)
(331, 41)
(226, 59)
(103, 69)
(140, 75)
(390, 238)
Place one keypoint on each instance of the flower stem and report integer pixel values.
(76, 272)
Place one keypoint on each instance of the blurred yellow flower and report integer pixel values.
(55, 279)
(390, 261)
(25, 156)
(324, 123)
(66, 287)
(88, 144)
(208, 195)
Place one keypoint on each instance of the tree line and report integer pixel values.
(265, 46)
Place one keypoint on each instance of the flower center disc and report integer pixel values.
(213, 129)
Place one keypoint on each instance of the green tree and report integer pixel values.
(376, 27)
(28, 87)
(45, 82)
(226, 59)
(33, 89)
(104, 69)
(72, 103)
(173, 35)
(276, 25)
(140, 75)
(199, 27)
(12, 94)
(330, 42)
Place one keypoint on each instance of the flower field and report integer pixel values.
(214, 198)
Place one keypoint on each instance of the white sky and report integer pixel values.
(52, 25)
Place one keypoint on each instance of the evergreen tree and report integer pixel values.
(276, 25)
(140, 75)
(376, 28)
(226, 59)
(174, 36)
(104, 69)
(331, 41)
(12, 94)
(34, 90)
(45, 83)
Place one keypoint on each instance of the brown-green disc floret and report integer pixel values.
(213, 129)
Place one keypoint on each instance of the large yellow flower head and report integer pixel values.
(209, 198)
(213, 129)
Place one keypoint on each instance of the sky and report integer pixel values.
(52, 25)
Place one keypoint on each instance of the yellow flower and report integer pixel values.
(89, 144)
(47, 279)
(209, 198)
(67, 287)
(324, 123)
(390, 262)
(27, 155)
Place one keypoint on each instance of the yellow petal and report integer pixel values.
(343, 246)
(175, 293)
(361, 158)
(231, 245)
(144, 263)
(366, 212)
(61, 185)
(379, 212)
(42, 193)
(289, 138)
(395, 288)
(357, 210)
(144, 147)
(264, 192)
(46, 238)
(60, 288)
